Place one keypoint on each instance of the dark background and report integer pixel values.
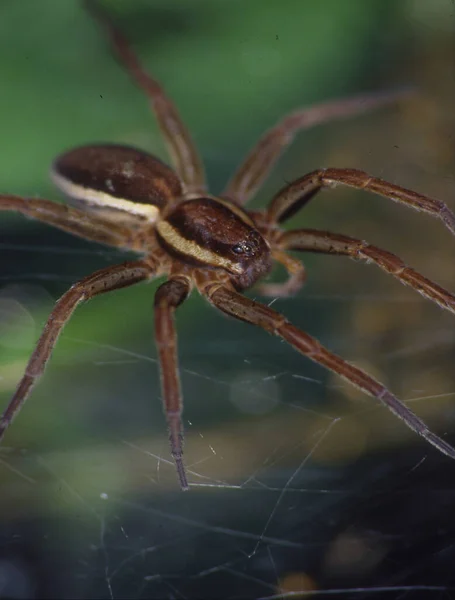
(299, 482)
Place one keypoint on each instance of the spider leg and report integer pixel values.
(105, 280)
(297, 277)
(185, 157)
(234, 304)
(71, 220)
(168, 297)
(311, 240)
(260, 160)
(295, 195)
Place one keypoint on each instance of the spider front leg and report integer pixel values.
(105, 280)
(168, 297)
(234, 304)
(325, 242)
(294, 196)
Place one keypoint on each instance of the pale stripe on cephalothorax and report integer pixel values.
(192, 249)
(101, 199)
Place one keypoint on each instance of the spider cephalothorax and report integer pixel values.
(217, 234)
(127, 198)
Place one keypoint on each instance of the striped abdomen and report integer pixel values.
(124, 182)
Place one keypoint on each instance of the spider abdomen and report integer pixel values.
(216, 233)
(122, 181)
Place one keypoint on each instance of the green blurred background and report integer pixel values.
(253, 408)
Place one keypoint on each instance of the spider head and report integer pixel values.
(218, 234)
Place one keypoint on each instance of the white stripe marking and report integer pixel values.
(99, 198)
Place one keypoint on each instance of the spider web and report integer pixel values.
(296, 479)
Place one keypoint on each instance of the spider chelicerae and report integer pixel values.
(127, 198)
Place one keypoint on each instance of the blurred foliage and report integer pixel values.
(233, 70)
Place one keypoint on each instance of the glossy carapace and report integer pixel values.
(214, 232)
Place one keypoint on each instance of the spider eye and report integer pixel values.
(243, 248)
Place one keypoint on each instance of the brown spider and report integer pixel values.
(130, 199)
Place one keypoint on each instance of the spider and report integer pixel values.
(127, 198)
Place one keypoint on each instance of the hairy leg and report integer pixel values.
(105, 280)
(236, 305)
